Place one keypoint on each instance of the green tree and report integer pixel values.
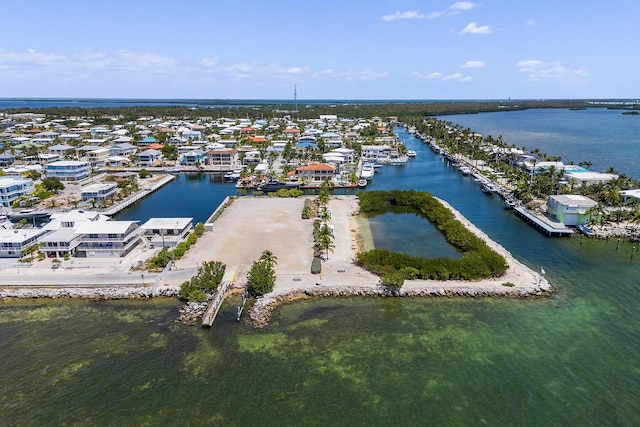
(53, 183)
(144, 173)
(261, 278)
(169, 152)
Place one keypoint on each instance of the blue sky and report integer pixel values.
(329, 49)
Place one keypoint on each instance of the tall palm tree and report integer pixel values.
(269, 258)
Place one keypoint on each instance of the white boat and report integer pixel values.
(488, 188)
(231, 176)
(367, 172)
(465, 170)
(397, 161)
(362, 183)
(411, 153)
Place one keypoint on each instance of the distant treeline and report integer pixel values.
(347, 109)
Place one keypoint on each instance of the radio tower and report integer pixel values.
(295, 99)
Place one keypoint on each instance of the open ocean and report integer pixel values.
(564, 361)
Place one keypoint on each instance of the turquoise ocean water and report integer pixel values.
(568, 360)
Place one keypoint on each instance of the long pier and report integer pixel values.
(216, 302)
(546, 226)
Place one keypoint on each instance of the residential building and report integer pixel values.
(167, 231)
(98, 192)
(226, 159)
(124, 149)
(13, 187)
(571, 209)
(63, 239)
(14, 242)
(316, 172)
(68, 170)
(108, 238)
(148, 157)
(193, 158)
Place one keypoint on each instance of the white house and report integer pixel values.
(14, 242)
(148, 157)
(167, 231)
(108, 238)
(98, 192)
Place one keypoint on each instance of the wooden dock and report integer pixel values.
(550, 228)
(217, 300)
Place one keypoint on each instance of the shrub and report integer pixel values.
(316, 266)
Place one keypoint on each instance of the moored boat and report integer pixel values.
(362, 183)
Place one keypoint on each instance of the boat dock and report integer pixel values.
(216, 302)
(544, 224)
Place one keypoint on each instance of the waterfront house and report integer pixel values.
(316, 172)
(586, 177)
(13, 187)
(13, 242)
(167, 231)
(98, 192)
(194, 157)
(68, 170)
(226, 159)
(63, 239)
(571, 209)
(108, 238)
(376, 152)
(149, 157)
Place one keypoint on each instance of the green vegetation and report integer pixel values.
(306, 210)
(283, 192)
(144, 173)
(262, 277)
(316, 266)
(478, 262)
(53, 183)
(208, 278)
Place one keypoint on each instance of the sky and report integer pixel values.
(325, 49)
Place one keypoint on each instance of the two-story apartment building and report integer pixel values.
(316, 172)
(98, 192)
(167, 231)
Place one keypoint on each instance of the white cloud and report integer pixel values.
(538, 70)
(210, 62)
(530, 23)
(442, 77)
(414, 14)
(144, 66)
(474, 64)
(473, 28)
(453, 9)
(461, 6)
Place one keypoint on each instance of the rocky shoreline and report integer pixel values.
(261, 311)
(103, 293)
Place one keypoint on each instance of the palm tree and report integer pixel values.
(269, 258)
